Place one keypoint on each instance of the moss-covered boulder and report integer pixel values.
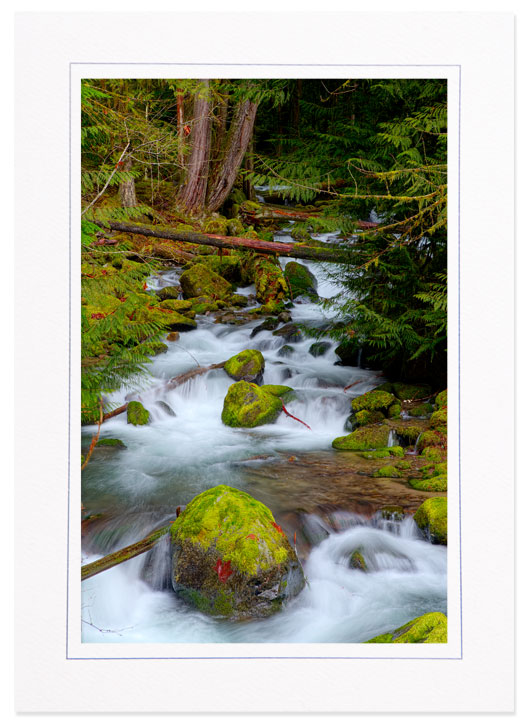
(394, 411)
(357, 561)
(431, 518)
(423, 410)
(182, 306)
(246, 405)
(231, 558)
(438, 420)
(110, 443)
(284, 392)
(433, 438)
(300, 280)
(289, 333)
(137, 413)
(373, 400)
(366, 417)
(364, 439)
(433, 453)
(177, 322)
(247, 365)
(387, 472)
(411, 391)
(200, 280)
(434, 483)
(430, 628)
(441, 399)
(168, 293)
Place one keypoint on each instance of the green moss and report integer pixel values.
(435, 483)
(357, 561)
(430, 628)
(110, 442)
(247, 406)
(241, 529)
(392, 513)
(246, 365)
(432, 438)
(411, 391)
(373, 400)
(177, 305)
(216, 225)
(394, 411)
(137, 413)
(387, 472)
(432, 453)
(200, 280)
(368, 438)
(441, 399)
(374, 455)
(168, 293)
(317, 349)
(421, 410)
(438, 420)
(366, 417)
(270, 283)
(284, 392)
(300, 280)
(396, 451)
(431, 517)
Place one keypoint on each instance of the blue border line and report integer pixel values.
(300, 65)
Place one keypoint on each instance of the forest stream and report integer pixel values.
(325, 500)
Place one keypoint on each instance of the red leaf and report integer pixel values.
(251, 536)
(98, 316)
(276, 526)
(187, 130)
(144, 286)
(223, 569)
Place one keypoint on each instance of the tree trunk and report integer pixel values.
(239, 137)
(180, 126)
(128, 196)
(247, 185)
(193, 194)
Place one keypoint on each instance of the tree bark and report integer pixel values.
(239, 243)
(193, 194)
(240, 134)
(128, 196)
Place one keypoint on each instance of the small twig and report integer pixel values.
(352, 385)
(107, 182)
(293, 416)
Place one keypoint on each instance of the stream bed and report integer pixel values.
(323, 496)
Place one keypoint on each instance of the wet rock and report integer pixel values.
(435, 483)
(271, 323)
(373, 401)
(247, 406)
(387, 472)
(431, 518)
(169, 293)
(201, 280)
(284, 392)
(137, 413)
(247, 365)
(165, 408)
(301, 281)
(366, 438)
(357, 561)
(173, 336)
(289, 333)
(319, 348)
(429, 628)
(230, 557)
(441, 399)
(285, 351)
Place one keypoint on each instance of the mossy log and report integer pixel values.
(268, 211)
(128, 552)
(216, 240)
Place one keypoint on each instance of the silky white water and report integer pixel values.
(175, 457)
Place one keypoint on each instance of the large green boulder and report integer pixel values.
(373, 400)
(284, 392)
(434, 483)
(430, 628)
(364, 439)
(247, 365)
(300, 280)
(230, 558)
(200, 280)
(441, 399)
(431, 518)
(246, 405)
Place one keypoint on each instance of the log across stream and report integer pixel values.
(321, 495)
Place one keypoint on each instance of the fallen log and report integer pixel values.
(128, 552)
(184, 377)
(273, 212)
(239, 243)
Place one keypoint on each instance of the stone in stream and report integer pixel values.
(431, 518)
(230, 558)
(271, 323)
(429, 628)
(317, 349)
(137, 413)
(199, 280)
(246, 405)
(372, 401)
(247, 365)
(370, 437)
(289, 333)
(434, 483)
(169, 293)
(301, 281)
(162, 405)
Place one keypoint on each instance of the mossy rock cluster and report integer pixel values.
(247, 405)
(230, 557)
(375, 400)
(430, 628)
(271, 287)
(434, 483)
(370, 437)
(387, 472)
(441, 399)
(247, 365)
(317, 349)
(431, 518)
(301, 281)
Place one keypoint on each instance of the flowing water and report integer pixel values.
(186, 449)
